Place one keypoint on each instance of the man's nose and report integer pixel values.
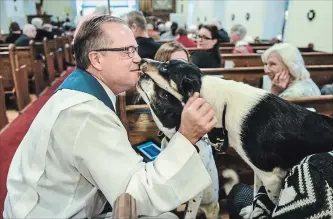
(137, 58)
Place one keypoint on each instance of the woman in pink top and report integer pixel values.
(237, 35)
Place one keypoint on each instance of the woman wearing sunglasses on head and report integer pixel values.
(208, 41)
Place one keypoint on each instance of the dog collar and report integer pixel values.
(218, 137)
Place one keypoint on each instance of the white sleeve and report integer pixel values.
(103, 154)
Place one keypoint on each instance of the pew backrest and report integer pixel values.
(251, 44)
(320, 74)
(254, 60)
(3, 115)
(15, 80)
(7, 67)
(322, 104)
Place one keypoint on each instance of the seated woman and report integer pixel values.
(237, 37)
(171, 50)
(287, 74)
(208, 40)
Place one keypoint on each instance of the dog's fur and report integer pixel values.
(270, 134)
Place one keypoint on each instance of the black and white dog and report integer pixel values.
(270, 134)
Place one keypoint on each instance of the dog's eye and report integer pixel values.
(164, 68)
(164, 95)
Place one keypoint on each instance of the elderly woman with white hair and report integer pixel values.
(29, 33)
(237, 37)
(287, 74)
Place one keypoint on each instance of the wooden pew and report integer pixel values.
(254, 60)
(50, 46)
(15, 80)
(320, 74)
(125, 207)
(62, 43)
(259, 49)
(27, 56)
(69, 46)
(3, 115)
(4, 45)
(256, 49)
(49, 61)
(322, 104)
(251, 44)
(137, 120)
(67, 54)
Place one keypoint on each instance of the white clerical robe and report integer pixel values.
(76, 156)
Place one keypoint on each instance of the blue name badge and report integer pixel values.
(149, 150)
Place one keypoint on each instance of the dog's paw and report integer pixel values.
(246, 212)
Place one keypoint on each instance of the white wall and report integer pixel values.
(201, 12)
(220, 11)
(181, 15)
(57, 8)
(266, 16)
(11, 11)
(239, 8)
(30, 7)
(274, 14)
(300, 31)
(8, 13)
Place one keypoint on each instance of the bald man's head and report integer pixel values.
(30, 30)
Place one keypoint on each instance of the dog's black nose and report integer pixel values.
(142, 61)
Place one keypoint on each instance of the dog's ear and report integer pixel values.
(189, 85)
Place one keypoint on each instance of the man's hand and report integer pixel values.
(280, 82)
(198, 118)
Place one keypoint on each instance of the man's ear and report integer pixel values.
(96, 60)
(189, 85)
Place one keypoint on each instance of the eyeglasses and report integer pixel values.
(130, 50)
(202, 37)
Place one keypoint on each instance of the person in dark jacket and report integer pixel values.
(147, 46)
(224, 37)
(208, 41)
(29, 33)
(14, 32)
